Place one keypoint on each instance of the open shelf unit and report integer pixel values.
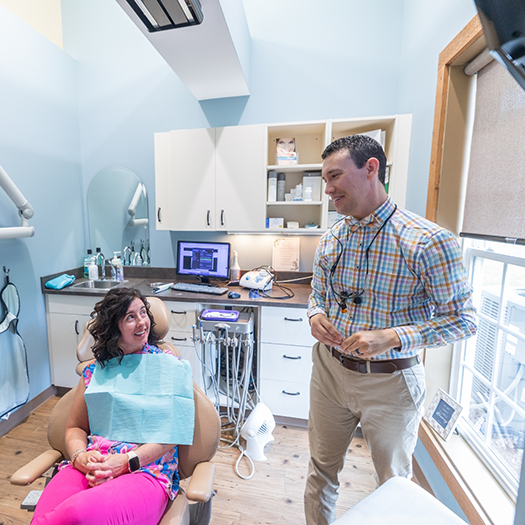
(311, 138)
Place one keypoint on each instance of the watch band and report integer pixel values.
(133, 462)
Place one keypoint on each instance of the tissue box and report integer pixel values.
(274, 223)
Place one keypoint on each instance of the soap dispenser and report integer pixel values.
(235, 269)
(93, 270)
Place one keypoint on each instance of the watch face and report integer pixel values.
(134, 464)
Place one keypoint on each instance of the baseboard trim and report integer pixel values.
(25, 411)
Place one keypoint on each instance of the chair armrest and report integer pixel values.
(177, 511)
(35, 468)
(200, 487)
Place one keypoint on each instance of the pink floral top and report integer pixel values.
(165, 470)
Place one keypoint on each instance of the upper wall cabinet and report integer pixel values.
(210, 179)
(217, 179)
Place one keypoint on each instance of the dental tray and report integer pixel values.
(220, 315)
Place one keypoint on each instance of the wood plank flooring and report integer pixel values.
(274, 494)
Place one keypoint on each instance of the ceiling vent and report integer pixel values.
(206, 42)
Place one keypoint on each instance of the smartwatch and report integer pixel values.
(133, 462)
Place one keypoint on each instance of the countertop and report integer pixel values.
(142, 277)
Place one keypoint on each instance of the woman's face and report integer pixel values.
(134, 327)
(286, 144)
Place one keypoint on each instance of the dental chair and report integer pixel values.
(194, 460)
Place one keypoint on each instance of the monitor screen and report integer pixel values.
(204, 259)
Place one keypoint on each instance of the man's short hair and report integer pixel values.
(360, 148)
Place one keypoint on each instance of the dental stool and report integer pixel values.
(194, 460)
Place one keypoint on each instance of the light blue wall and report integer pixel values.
(428, 26)
(39, 149)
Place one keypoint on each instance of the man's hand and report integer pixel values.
(324, 331)
(370, 343)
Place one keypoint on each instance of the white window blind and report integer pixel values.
(495, 196)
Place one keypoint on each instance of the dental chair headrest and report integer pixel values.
(160, 316)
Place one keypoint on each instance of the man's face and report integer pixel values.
(348, 186)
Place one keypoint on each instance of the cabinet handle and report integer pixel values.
(178, 313)
(222, 217)
(180, 338)
(208, 218)
(76, 327)
(158, 215)
(300, 320)
(291, 393)
(291, 356)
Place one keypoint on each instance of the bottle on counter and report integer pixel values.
(117, 270)
(101, 262)
(87, 262)
(235, 269)
(93, 270)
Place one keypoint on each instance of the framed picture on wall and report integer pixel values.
(443, 413)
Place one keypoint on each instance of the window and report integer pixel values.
(490, 370)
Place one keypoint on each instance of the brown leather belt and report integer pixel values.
(374, 367)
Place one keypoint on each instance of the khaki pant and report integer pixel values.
(389, 409)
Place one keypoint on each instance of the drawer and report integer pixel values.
(179, 338)
(285, 362)
(287, 399)
(182, 315)
(285, 326)
(71, 304)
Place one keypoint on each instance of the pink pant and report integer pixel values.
(132, 499)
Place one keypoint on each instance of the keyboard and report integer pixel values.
(199, 288)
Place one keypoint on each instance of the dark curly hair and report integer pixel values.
(360, 148)
(105, 318)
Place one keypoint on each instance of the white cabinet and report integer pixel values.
(66, 316)
(240, 178)
(182, 318)
(285, 361)
(210, 179)
(185, 179)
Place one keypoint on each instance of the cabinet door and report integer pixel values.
(162, 181)
(65, 332)
(192, 173)
(240, 178)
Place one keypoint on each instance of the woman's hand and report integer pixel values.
(105, 468)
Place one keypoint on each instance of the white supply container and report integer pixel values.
(312, 179)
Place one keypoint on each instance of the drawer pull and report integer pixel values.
(300, 320)
(178, 313)
(180, 338)
(291, 356)
(76, 327)
(291, 393)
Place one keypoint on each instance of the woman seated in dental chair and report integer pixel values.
(111, 480)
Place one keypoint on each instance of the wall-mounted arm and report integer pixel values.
(141, 189)
(25, 209)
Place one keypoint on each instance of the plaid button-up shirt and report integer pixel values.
(414, 280)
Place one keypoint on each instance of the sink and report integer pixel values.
(106, 284)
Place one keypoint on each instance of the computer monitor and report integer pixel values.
(204, 259)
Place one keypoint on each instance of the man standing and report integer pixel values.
(386, 284)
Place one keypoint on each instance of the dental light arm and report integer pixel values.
(25, 209)
(133, 207)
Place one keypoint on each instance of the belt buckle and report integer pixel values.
(362, 367)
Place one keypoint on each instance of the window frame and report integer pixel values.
(498, 469)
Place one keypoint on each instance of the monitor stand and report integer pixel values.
(206, 280)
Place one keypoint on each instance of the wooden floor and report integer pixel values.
(274, 495)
